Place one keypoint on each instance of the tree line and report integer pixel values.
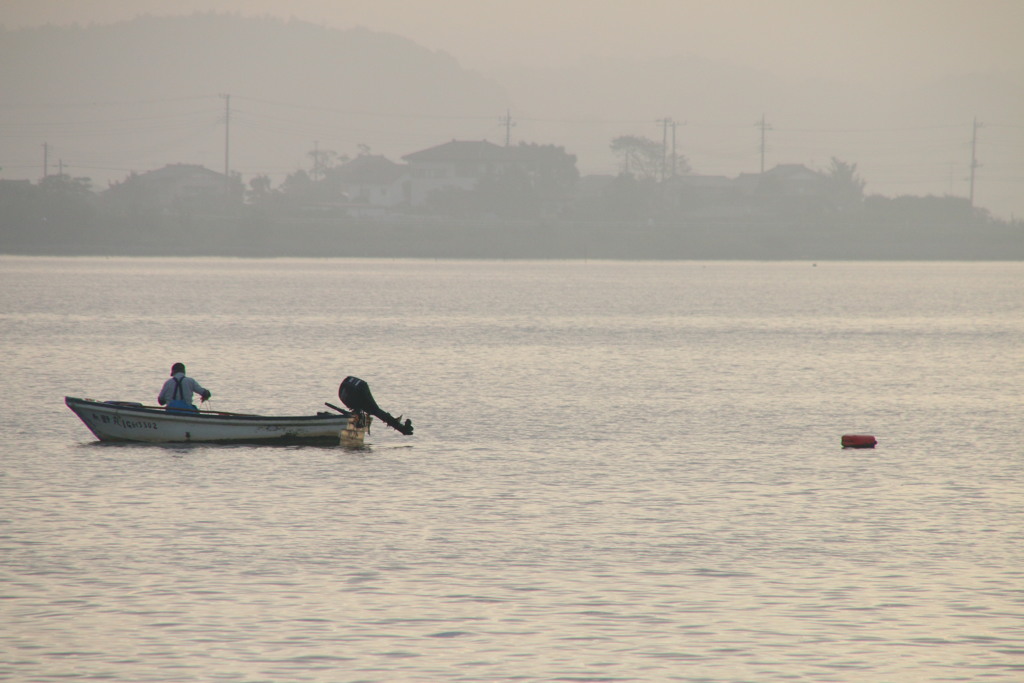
(63, 214)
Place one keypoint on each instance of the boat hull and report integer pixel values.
(132, 422)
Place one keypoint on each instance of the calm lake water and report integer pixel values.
(621, 471)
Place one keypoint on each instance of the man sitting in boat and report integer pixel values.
(177, 391)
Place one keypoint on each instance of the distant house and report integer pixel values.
(455, 165)
(11, 188)
(784, 181)
(695, 191)
(173, 187)
(371, 184)
(464, 164)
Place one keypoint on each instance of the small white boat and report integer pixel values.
(127, 421)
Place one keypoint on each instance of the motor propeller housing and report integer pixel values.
(355, 394)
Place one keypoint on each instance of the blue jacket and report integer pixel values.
(188, 387)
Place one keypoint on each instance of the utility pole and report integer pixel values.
(974, 155)
(227, 143)
(507, 122)
(46, 159)
(764, 127)
(665, 123)
(675, 157)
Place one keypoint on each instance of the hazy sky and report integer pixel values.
(855, 39)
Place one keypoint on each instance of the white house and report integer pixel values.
(459, 164)
(371, 184)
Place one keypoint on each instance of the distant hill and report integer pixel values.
(293, 61)
(139, 94)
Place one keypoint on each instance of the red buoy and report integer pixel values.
(859, 441)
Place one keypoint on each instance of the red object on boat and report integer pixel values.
(859, 441)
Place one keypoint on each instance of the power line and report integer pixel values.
(94, 103)
(359, 112)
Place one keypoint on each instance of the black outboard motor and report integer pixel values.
(355, 394)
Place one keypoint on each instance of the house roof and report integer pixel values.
(793, 171)
(370, 169)
(460, 150)
(175, 172)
